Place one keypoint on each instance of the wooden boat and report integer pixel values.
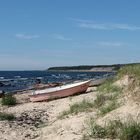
(60, 91)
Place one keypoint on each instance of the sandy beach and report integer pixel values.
(30, 114)
(39, 121)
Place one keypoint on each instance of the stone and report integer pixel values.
(2, 93)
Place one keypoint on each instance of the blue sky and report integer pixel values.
(37, 34)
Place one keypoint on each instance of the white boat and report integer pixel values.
(60, 91)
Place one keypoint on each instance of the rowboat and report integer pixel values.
(60, 91)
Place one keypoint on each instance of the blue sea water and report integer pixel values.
(18, 80)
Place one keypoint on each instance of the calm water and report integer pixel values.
(16, 80)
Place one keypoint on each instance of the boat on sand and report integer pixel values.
(60, 91)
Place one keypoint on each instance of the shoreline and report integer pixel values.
(39, 120)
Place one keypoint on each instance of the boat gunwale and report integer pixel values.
(41, 94)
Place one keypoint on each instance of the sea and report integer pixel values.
(11, 81)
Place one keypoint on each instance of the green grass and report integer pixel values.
(77, 108)
(100, 100)
(109, 131)
(6, 116)
(107, 96)
(132, 70)
(106, 102)
(130, 131)
(114, 130)
(108, 108)
(96, 131)
(8, 99)
(108, 87)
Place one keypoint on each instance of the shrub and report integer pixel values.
(8, 99)
(6, 116)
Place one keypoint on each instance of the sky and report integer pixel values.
(37, 34)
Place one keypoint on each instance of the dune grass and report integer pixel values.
(76, 108)
(108, 87)
(114, 130)
(130, 131)
(108, 108)
(132, 70)
(100, 101)
(107, 96)
(107, 102)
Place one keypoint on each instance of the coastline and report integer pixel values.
(91, 70)
(115, 100)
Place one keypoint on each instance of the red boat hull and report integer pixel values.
(60, 93)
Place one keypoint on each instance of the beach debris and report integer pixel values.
(26, 124)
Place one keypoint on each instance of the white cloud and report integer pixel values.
(81, 20)
(104, 26)
(94, 26)
(126, 27)
(110, 44)
(60, 37)
(25, 36)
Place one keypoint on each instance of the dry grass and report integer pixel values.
(76, 108)
(114, 130)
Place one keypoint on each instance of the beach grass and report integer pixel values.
(106, 102)
(76, 108)
(107, 96)
(100, 100)
(133, 70)
(129, 130)
(108, 87)
(108, 108)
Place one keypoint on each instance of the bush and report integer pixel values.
(6, 116)
(8, 99)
